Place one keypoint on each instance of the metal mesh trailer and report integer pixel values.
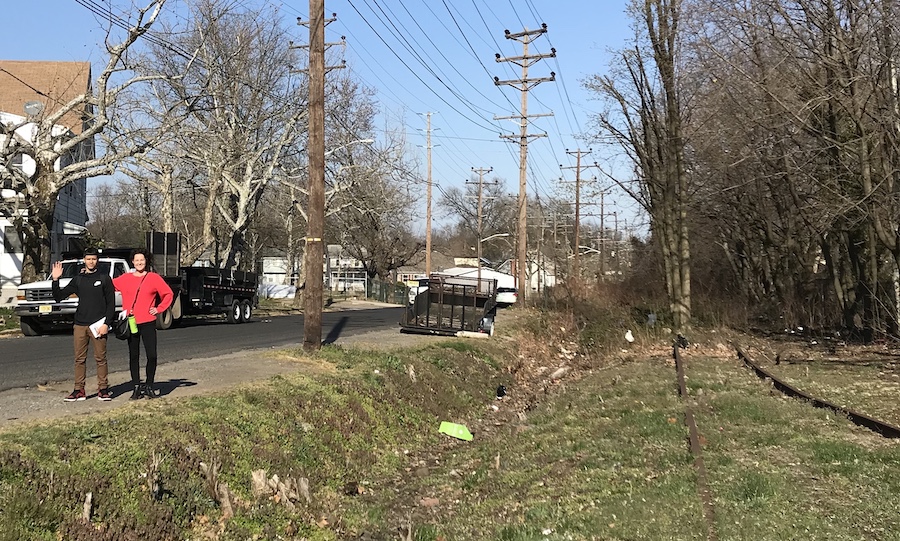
(453, 305)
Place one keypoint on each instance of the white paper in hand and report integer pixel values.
(95, 327)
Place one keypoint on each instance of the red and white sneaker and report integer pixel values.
(76, 396)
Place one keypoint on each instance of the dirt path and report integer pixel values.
(175, 380)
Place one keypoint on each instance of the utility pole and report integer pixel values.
(315, 246)
(524, 85)
(428, 196)
(556, 226)
(603, 232)
(602, 239)
(540, 253)
(481, 171)
(576, 269)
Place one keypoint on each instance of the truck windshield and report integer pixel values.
(73, 268)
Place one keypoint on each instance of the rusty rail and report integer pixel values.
(885, 429)
(696, 450)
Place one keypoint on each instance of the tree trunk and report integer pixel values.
(35, 234)
(661, 19)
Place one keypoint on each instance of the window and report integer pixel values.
(16, 162)
(11, 242)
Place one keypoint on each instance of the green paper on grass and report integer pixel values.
(455, 430)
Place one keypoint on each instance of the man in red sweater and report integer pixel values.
(144, 295)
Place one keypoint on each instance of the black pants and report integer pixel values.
(147, 334)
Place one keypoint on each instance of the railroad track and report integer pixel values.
(878, 426)
(696, 449)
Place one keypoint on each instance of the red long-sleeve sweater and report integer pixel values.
(152, 288)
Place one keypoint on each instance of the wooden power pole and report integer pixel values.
(524, 85)
(481, 171)
(315, 246)
(576, 267)
(428, 196)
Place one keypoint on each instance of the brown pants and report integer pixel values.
(83, 336)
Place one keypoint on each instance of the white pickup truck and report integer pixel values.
(199, 291)
(37, 310)
(420, 286)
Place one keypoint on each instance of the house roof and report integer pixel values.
(52, 83)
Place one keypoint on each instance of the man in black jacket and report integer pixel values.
(96, 311)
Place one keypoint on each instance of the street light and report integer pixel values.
(494, 236)
(497, 235)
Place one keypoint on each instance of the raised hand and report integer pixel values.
(56, 270)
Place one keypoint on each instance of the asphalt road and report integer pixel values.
(28, 361)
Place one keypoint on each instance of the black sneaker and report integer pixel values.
(76, 396)
(138, 393)
(104, 395)
(149, 392)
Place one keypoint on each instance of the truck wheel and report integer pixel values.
(234, 314)
(29, 327)
(164, 320)
(246, 311)
(176, 311)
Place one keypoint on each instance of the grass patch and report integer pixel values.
(354, 426)
(8, 320)
(866, 381)
(602, 454)
(781, 469)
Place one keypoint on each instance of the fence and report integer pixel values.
(391, 292)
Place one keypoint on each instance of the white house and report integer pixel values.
(341, 273)
(50, 84)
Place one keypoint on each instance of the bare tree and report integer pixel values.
(646, 120)
(799, 149)
(61, 157)
(116, 216)
(243, 110)
(374, 214)
(498, 213)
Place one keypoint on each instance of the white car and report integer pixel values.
(507, 296)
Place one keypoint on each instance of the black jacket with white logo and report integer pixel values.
(96, 297)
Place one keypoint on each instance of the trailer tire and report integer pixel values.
(29, 327)
(164, 320)
(246, 311)
(234, 314)
(487, 326)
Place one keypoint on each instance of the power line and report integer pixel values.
(416, 75)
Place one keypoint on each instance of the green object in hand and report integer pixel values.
(132, 324)
(455, 430)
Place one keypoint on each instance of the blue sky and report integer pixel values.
(427, 56)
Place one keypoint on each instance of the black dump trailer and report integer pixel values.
(201, 290)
